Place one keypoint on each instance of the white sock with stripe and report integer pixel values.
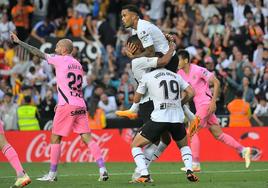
(139, 160)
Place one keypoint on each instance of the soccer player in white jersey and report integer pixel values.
(12, 157)
(140, 66)
(153, 40)
(71, 113)
(164, 88)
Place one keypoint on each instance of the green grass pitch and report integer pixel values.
(165, 175)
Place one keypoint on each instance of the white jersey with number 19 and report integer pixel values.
(164, 88)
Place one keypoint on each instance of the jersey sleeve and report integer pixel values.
(145, 38)
(145, 62)
(53, 59)
(205, 74)
(182, 82)
(142, 85)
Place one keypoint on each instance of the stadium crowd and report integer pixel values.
(228, 37)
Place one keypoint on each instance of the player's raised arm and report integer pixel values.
(33, 50)
(163, 61)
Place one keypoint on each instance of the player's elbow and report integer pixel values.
(190, 92)
(216, 82)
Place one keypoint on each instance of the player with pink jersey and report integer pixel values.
(12, 157)
(205, 103)
(71, 112)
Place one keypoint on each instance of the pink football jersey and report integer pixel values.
(198, 78)
(69, 76)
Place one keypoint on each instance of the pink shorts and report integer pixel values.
(2, 127)
(70, 118)
(207, 120)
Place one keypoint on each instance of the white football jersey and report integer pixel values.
(164, 88)
(149, 35)
(139, 67)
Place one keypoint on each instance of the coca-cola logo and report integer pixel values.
(71, 150)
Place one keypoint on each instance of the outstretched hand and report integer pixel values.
(14, 37)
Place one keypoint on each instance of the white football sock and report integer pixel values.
(159, 150)
(148, 153)
(186, 155)
(139, 160)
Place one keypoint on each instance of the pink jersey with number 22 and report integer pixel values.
(69, 76)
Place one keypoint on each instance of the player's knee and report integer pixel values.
(55, 139)
(3, 142)
(86, 138)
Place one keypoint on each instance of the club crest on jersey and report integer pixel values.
(205, 73)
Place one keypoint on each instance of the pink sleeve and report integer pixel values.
(53, 59)
(204, 73)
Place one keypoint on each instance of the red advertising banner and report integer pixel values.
(115, 145)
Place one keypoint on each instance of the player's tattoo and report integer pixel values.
(32, 49)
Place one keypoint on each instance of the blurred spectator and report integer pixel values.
(255, 31)
(38, 77)
(57, 9)
(20, 14)
(157, 10)
(81, 8)
(259, 12)
(93, 101)
(225, 8)
(8, 112)
(9, 54)
(88, 30)
(237, 66)
(245, 88)
(125, 92)
(113, 12)
(213, 26)
(209, 63)
(75, 25)
(106, 32)
(262, 89)
(28, 116)
(89, 86)
(110, 84)
(43, 29)
(240, 112)
(76, 53)
(40, 10)
(61, 25)
(46, 108)
(207, 10)
(222, 62)
(6, 27)
(240, 10)
(261, 110)
(108, 105)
